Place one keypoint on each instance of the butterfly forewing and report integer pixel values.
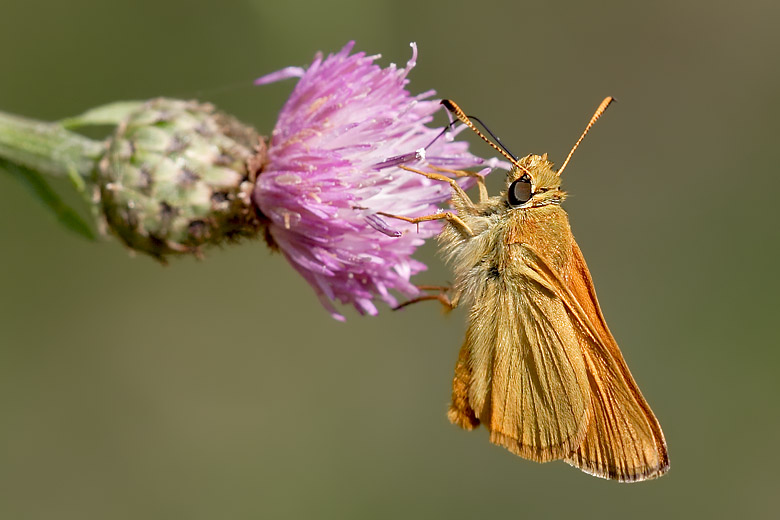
(624, 440)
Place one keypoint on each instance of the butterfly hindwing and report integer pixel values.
(520, 371)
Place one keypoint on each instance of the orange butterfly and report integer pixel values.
(539, 367)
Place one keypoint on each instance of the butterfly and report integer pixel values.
(539, 367)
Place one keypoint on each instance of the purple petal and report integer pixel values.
(376, 222)
(332, 167)
(279, 75)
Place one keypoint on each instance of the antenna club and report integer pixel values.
(455, 109)
(449, 105)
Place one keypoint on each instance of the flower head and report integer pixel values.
(333, 165)
(174, 178)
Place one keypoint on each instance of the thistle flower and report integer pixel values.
(332, 166)
(178, 175)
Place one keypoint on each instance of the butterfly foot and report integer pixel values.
(440, 294)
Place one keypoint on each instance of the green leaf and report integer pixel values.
(110, 114)
(37, 184)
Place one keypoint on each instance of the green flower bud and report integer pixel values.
(175, 177)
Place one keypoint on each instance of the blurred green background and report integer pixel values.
(221, 388)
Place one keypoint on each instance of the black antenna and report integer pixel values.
(443, 131)
(416, 155)
(463, 118)
(494, 136)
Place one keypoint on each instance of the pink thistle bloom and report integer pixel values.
(333, 165)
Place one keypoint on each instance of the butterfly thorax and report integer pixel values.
(501, 227)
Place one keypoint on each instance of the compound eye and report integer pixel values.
(519, 191)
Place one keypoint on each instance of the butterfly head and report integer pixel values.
(533, 183)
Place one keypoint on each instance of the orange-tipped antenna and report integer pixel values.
(600, 110)
(463, 118)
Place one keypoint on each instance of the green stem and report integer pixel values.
(47, 147)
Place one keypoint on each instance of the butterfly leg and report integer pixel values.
(458, 192)
(483, 194)
(441, 296)
(449, 217)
